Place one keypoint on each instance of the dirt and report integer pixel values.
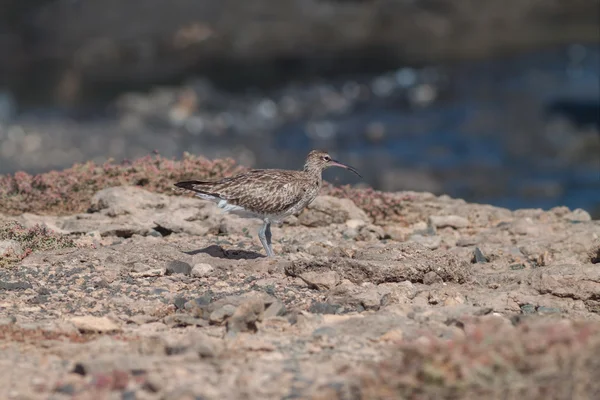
(165, 297)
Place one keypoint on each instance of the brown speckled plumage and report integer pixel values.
(269, 194)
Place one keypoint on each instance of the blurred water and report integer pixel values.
(516, 132)
(492, 121)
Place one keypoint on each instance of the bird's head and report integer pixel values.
(318, 160)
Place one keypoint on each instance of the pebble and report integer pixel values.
(178, 267)
(452, 221)
(10, 245)
(91, 324)
(478, 256)
(202, 270)
(276, 309)
(323, 308)
(395, 335)
(179, 302)
(431, 242)
(431, 278)
(148, 273)
(321, 280)
(181, 320)
(221, 314)
(18, 285)
(525, 226)
(578, 215)
(246, 316)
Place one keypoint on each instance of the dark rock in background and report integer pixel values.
(68, 50)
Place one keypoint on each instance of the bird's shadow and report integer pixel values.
(219, 252)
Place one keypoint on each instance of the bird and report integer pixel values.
(267, 194)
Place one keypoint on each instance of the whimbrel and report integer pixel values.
(268, 194)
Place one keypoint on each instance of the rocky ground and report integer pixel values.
(164, 297)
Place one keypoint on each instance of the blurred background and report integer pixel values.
(491, 101)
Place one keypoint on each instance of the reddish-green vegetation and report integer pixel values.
(534, 360)
(30, 240)
(381, 206)
(70, 190)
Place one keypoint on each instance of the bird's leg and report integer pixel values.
(268, 236)
(264, 234)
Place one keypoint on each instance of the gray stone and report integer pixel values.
(202, 270)
(478, 256)
(221, 314)
(179, 267)
(18, 285)
(324, 280)
(326, 210)
(246, 316)
(453, 221)
(276, 309)
(181, 320)
(323, 308)
(578, 215)
(10, 246)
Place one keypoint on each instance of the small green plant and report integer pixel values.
(30, 239)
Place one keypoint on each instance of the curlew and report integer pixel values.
(268, 194)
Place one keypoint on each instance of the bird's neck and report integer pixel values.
(313, 172)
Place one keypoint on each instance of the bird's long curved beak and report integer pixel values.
(335, 163)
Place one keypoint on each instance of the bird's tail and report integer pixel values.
(200, 187)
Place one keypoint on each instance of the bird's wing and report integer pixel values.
(262, 191)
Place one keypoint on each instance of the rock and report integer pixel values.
(121, 200)
(394, 335)
(323, 308)
(179, 302)
(398, 263)
(578, 215)
(453, 221)
(581, 282)
(431, 242)
(17, 285)
(276, 309)
(202, 270)
(321, 280)
(355, 223)
(220, 315)
(431, 278)
(198, 306)
(327, 210)
(11, 246)
(525, 226)
(254, 344)
(148, 273)
(182, 320)
(370, 299)
(398, 233)
(350, 233)
(370, 232)
(194, 342)
(238, 300)
(178, 267)
(91, 324)
(246, 316)
(478, 256)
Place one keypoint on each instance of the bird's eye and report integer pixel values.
(326, 158)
